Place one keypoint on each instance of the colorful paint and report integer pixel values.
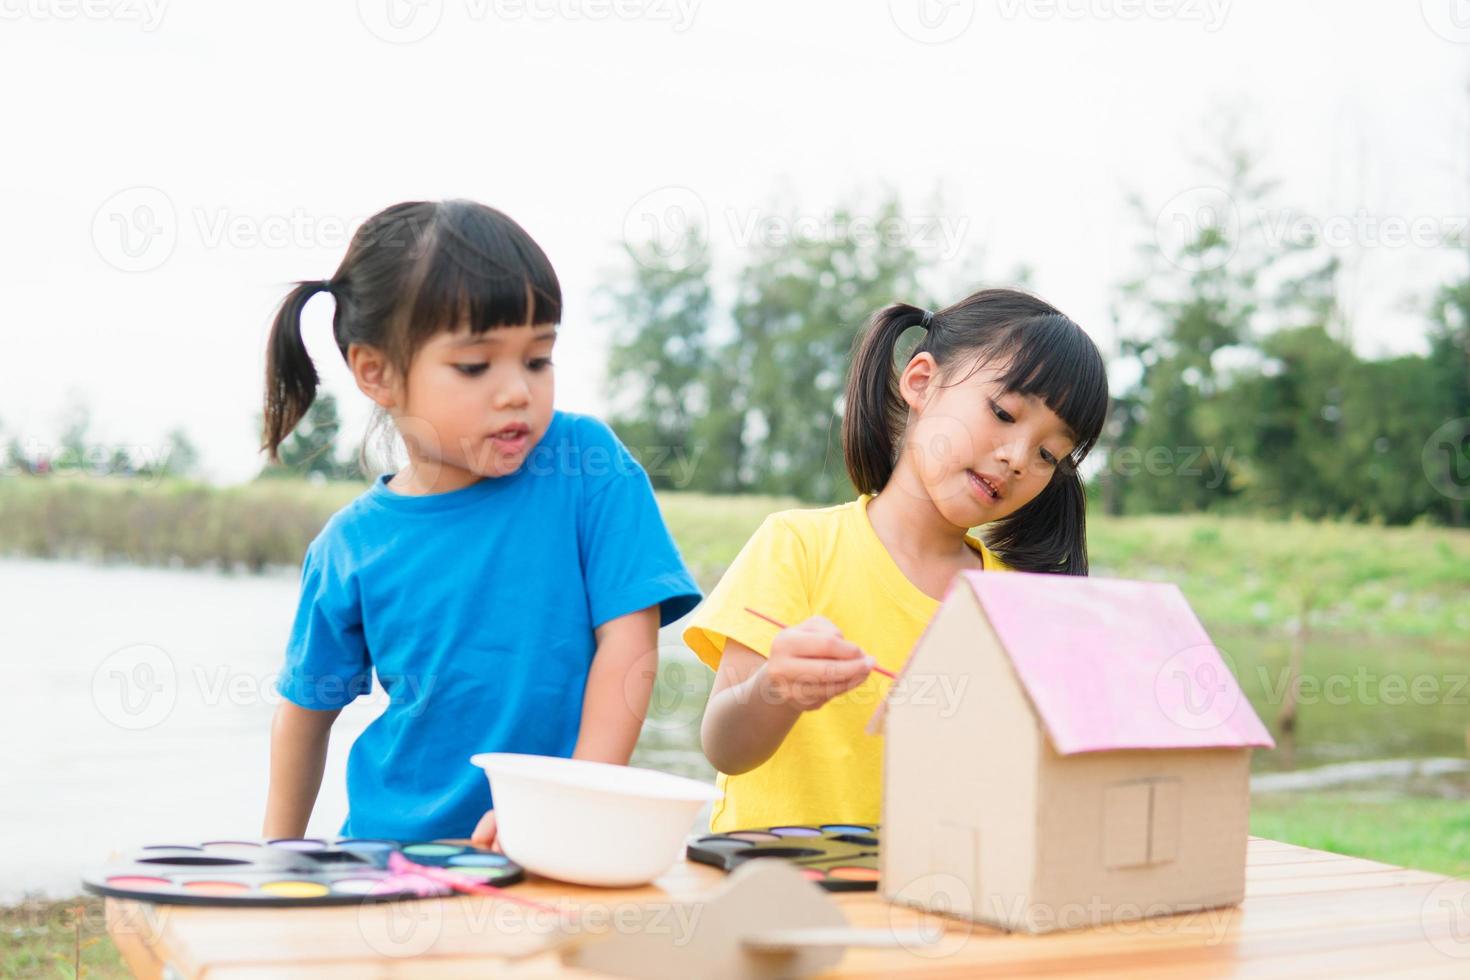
(292, 871)
(838, 856)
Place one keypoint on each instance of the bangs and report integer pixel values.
(480, 269)
(1051, 358)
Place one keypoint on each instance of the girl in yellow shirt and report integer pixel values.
(984, 424)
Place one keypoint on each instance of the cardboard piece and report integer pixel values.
(765, 920)
(1106, 757)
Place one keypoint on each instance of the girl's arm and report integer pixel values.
(615, 702)
(756, 700)
(619, 687)
(298, 756)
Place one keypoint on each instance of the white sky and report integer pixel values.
(295, 120)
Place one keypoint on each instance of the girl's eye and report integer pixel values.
(470, 370)
(1048, 458)
(1001, 413)
(541, 364)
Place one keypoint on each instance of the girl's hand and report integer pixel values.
(810, 664)
(484, 834)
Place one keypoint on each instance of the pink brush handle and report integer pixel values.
(399, 864)
(782, 626)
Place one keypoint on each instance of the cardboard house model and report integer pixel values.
(1065, 751)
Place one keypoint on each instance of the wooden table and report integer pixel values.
(1307, 913)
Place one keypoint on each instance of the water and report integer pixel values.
(137, 710)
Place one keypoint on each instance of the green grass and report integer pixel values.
(710, 530)
(57, 939)
(254, 526)
(1243, 572)
(1361, 697)
(1430, 834)
(1355, 579)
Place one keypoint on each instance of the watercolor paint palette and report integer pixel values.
(292, 872)
(841, 857)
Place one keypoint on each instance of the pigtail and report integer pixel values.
(874, 413)
(411, 271)
(1049, 534)
(290, 377)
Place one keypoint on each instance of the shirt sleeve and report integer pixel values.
(769, 576)
(327, 662)
(629, 559)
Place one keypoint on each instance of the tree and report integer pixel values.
(800, 304)
(758, 405)
(182, 457)
(1449, 354)
(76, 422)
(121, 462)
(311, 447)
(659, 365)
(16, 459)
(1209, 287)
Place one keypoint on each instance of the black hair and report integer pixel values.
(1049, 357)
(411, 271)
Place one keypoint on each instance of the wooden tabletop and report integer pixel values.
(1306, 914)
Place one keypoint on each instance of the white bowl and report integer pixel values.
(591, 823)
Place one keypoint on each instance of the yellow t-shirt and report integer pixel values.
(801, 563)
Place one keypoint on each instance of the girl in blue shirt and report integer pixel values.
(506, 585)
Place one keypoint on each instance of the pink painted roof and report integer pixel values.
(1115, 664)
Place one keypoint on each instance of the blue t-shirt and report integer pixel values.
(476, 608)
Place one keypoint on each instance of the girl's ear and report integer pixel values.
(916, 382)
(374, 374)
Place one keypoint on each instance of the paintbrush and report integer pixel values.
(782, 626)
(401, 865)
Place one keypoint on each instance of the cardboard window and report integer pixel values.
(1140, 823)
(1163, 829)
(1125, 825)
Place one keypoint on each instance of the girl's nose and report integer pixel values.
(515, 393)
(1011, 454)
